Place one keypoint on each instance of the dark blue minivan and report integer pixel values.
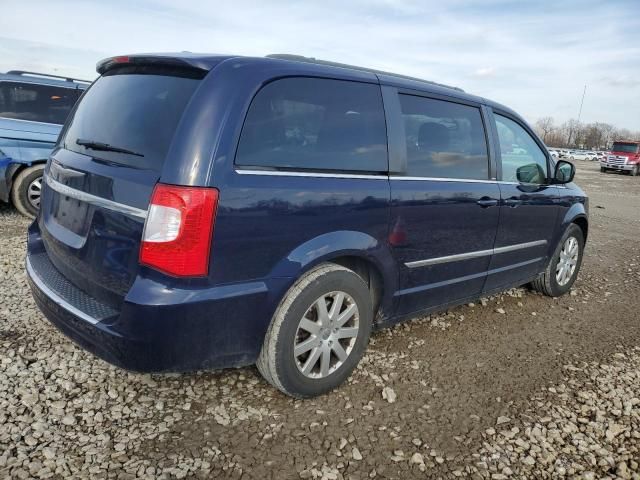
(208, 211)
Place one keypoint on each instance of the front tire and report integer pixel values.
(603, 170)
(562, 270)
(319, 332)
(27, 189)
(634, 171)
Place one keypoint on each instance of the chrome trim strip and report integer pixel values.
(95, 200)
(519, 246)
(276, 173)
(514, 266)
(57, 298)
(442, 179)
(476, 254)
(431, 286)
(466, 180)
(449, 258)
(525, 184)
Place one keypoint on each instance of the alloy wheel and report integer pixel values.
(326, 335)
(568, 261)
(34, 192)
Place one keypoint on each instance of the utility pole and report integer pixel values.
(582, 103)
(584, 92)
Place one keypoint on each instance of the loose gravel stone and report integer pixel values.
(389, 394)
(356, 454)
(502, 420)
(567, 379)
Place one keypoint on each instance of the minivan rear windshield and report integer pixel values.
(130, 112)
(625, 147)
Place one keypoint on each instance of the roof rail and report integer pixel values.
(301, 58)
(46, 75)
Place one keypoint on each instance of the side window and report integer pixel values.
(444, 139)
(313, 123)
(37, 103)
(522, 159)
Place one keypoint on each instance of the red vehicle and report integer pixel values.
(624, 156)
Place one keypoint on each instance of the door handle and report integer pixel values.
(486, 202)
(512, 202)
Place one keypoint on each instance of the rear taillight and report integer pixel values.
(179, 228)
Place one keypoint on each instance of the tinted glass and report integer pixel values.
(444, 139)
(137, 112)
(625, 147)
(522, 159)
(37, 103)
(319, 124)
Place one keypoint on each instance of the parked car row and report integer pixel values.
(207, 211)
(33, 107)
(572, 155)
(623, 157)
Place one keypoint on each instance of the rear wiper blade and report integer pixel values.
(105, 147)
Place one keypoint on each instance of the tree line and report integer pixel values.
(574, 134)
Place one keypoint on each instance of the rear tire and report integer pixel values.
(304, 375)
(26, 191)
(552, 283)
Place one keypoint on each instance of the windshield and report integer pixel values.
(130, 112)
(625, 147)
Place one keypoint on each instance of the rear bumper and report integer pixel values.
(157, 329)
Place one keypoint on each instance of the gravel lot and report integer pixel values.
(514, 386)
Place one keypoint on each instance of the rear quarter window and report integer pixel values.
(315, 124)
(36, 103)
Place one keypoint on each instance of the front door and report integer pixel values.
(444, 212)
(528, 206)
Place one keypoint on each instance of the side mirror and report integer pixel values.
(530, 173)
(565, 171)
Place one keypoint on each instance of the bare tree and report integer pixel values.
(622, 134)
(607, 134)
(573, 134)
(545, 126)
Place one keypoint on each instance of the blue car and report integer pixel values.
(208, 211)
(33, 107)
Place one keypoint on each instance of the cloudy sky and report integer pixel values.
(535, 57)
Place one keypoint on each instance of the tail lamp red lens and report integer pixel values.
(179, 230)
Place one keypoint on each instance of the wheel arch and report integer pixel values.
(20, 166)
(370, 273)
(18, 188)
(583, 223)
(368, 257)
